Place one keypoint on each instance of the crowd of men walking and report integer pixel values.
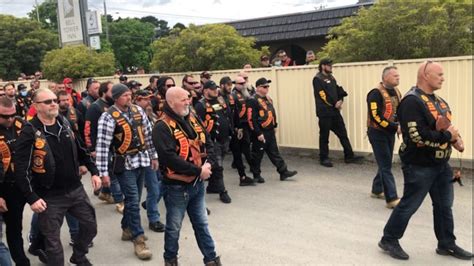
(171, 138)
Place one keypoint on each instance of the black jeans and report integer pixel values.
(239, 147)
(270, 147)
(14, 223)
(216, 181)
(77, 204)
(336, 125)
(382, 145)
(419, 181)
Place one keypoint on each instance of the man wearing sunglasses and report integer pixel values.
(217, 118)
(428, 139)
(12, 201)
(48, 156)
(194, 88)
(262, 121)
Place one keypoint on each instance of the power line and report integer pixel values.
(168, 14)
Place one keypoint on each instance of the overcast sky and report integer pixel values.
(189, 11)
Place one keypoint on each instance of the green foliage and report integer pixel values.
(208, 47)
(401, 29)
(131, 39)
(47, 15)
(161, 26)
(23, 43)
(77, 62)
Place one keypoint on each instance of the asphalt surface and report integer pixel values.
(322, 216)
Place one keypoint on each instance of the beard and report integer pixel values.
(245, 92)
(52, 113)
(185, 112)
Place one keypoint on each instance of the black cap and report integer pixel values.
(206, 74)
(325, 61)
(262, 82)
(89, 82)
(133, 84)
(210, 85)
(123, 78)
(225, 80)
(143, 94)
(22, 87)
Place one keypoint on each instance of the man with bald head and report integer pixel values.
(48, 156)
(428, 138)
(185, 153)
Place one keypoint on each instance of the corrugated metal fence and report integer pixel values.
(292, 92)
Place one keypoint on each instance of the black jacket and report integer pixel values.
(220, 115)
(165, 145)
(326, 94)
(35, 185)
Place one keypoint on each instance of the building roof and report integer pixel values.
(295, 26)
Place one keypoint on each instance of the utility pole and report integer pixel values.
(106, 22)
(37, 11)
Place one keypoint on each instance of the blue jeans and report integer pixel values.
(153, 194)
(419, 181)
(114, 189)
(131, 183)
(5, 259)
(382, 145)
(180, 199)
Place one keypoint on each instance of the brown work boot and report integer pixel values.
(119, 207)
(141, 250)
(214, 262)
(107, 197)
(127, 235)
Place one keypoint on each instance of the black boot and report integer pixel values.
(214, 262)
(286, 174)
(394, 249)
(224, 196)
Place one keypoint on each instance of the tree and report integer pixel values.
(208, 47)
(403, 29)
(23, 43)
(77, 62)
(131, 41)
(47, 15)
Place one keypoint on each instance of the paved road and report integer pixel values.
(324, 216)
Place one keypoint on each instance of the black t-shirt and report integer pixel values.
(61, 146)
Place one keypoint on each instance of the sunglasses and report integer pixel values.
(426, 65)
(266, 86)
(6, 117)
(192, 83)
(169, 85)
(243, 83)
(50, 101)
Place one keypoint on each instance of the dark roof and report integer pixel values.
(295, 26)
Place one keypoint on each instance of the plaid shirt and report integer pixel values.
(105, 133)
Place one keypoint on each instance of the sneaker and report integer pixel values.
(141, 250)
(214, 262)
(119, 207)
(156, 227)
(380, 195)
(354, 159)
(394, 249)
(224, 196)
(326, 162)
(173, 262)
(287, 174)
(392, 204)
(40, 253)
(246, 181)
(107, 197)
(259, 179)
(456, 252)
(84, 262)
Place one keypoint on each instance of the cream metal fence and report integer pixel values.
(292, 92)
